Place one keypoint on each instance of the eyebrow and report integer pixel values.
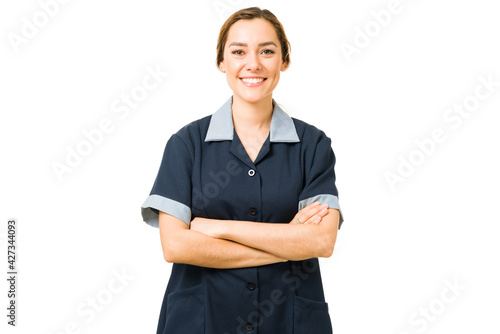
(245, 44)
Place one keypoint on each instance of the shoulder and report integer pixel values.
(187, 141)
(315, 146)
(193, 134)
(308, 133)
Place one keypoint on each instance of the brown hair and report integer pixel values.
(250, 14)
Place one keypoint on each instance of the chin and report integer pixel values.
(252, 98)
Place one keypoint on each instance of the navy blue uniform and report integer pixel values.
(206, 172)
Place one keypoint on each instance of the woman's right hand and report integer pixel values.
(311, 214)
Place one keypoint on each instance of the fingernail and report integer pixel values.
(317, 220)
(325, 205)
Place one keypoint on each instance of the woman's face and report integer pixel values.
(252, 59)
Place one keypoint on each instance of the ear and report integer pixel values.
(222, 67)
(284, 66)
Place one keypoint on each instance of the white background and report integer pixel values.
(397, 248)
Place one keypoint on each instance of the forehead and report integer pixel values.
(252, 31)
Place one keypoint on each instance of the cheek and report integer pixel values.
(276, 67)
(276, 74)
(234, 67)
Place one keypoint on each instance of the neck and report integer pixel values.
(252, 116)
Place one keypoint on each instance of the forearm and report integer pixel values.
(196, 248)
(315, 237)
(290, 241)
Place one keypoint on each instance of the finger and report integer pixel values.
(309, 207)
(310, 211)
(316, 218)
(306, 212)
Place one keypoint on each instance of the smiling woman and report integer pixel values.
(246, 202)
(257, 50)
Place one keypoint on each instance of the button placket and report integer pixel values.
(254, 211)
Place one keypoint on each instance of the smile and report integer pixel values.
(253, 82)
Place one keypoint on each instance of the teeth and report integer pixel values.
(253, 80)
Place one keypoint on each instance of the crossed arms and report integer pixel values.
(237, 244)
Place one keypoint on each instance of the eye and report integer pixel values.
(237, 52)
(268, 51)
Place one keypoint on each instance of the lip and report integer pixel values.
(253, 84)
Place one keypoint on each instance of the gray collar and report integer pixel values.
(221, 125)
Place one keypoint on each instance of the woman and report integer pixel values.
(226, 199)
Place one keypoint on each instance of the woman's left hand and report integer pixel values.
(211, 227)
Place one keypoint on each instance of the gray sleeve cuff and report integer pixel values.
(155, 203)
(331, 200)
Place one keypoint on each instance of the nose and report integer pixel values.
(253, 62)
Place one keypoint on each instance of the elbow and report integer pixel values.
(327, 246)
(169, 253)
(327, 251)
(168, 256)
(172, 234)
(328, 239)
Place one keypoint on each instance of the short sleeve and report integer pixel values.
(171, 192)
(319, 163)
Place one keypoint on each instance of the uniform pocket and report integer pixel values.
(310, 316)
(185, 311)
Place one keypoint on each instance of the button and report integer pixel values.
(249, 327)
(251, 286)
(251, 172)
(253, 211)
